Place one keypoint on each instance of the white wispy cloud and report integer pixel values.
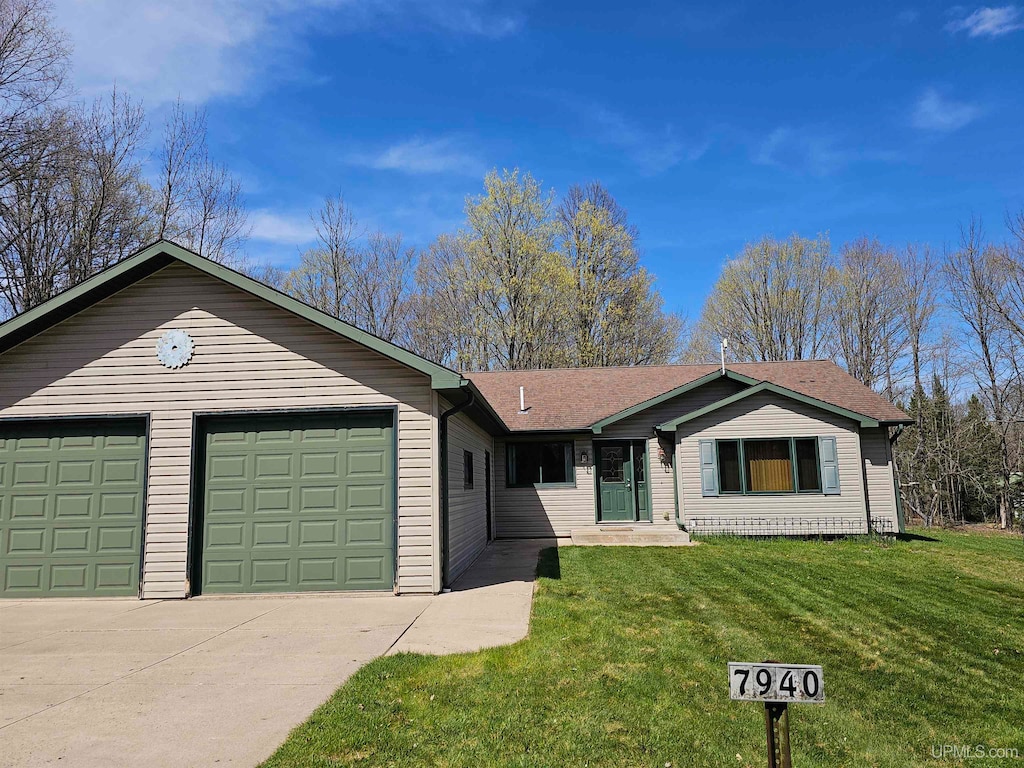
(652, 151)
(812, 151)
(202, 49)
(935, 112)
(282, 228)
(420, 155)
(989, 22)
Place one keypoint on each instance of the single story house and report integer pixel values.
(171, 427)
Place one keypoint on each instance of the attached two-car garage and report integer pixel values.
(272, 447)
(286, 502)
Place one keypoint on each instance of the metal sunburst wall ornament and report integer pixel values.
(174, 349)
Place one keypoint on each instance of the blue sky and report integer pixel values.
(713, 124)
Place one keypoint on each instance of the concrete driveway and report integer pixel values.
(221, 681)
(178, 683)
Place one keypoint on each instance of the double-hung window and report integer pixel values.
(539, 463)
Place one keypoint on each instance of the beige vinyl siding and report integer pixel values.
(249, 355)
(467, 507)
(641, 426)
(768, 415)
(545, 511)
(879, 479)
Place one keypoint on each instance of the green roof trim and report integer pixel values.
(765, 386)
(163, 253)
(597, 426)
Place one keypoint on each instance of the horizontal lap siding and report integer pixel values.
(543, 512)
(467, 507)
(766, 415)
(879, 479)
(249, 355)
(641, 426)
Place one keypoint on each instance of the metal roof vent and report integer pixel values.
(522, 400)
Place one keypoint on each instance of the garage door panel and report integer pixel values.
(27, 541)
(272, 500)
(364, 463)
(271, 534)
(75, 472)
(366, 498)
(320, 466)
(317, 533)
(225, 501)
(227, 468)
(28, 507)
(365, 532)
(119, 504)
(270, 466)
(127, 471)
(71, 507)
(319, 499)
(68, 541)
(316, 512)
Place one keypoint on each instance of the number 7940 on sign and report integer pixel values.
(776, 682)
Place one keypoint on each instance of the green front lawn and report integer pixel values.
(922, 643)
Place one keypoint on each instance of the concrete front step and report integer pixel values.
(625, 536)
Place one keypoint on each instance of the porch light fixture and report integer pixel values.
(584, 458)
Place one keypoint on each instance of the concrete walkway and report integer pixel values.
(488, 606)
(221, 681)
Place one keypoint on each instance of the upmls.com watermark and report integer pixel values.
(973, 752)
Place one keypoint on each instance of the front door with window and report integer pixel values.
(622, 481)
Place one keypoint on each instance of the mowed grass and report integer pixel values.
(922, 644)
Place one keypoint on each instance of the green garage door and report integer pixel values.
(71, 500)
(298, 503)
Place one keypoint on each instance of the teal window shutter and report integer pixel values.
(829, 465)
(708, 468)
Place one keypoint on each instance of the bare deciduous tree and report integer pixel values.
(324, 275)
(77, 203)
(868, 307)
(33, 70)
(974, 275)
(364, 280)
(197, 202)
(770, 302)
(616, 316)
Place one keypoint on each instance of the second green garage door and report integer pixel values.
(295, 503)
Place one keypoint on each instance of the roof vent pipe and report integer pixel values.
(522, 399)
(725, 346)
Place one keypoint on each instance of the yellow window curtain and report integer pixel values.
(769, 466)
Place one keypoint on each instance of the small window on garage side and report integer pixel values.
(467, 469)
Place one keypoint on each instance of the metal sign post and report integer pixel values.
(776, 723)
(777, 685)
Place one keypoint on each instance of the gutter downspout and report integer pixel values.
(443, 441)
(901, 521)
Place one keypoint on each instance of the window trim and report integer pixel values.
(467, 470)
(744, 481)
(570, 482)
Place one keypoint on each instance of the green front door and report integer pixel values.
(623, 491)
(71, 506)
(298, 503)
(615, 482)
